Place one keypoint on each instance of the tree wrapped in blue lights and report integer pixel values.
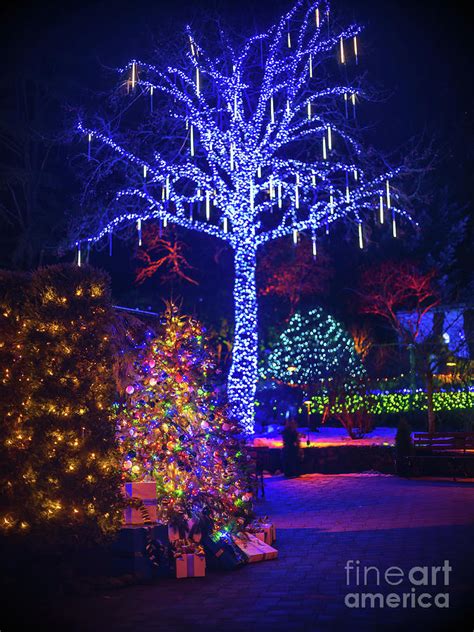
(263, 144)
(314, 347)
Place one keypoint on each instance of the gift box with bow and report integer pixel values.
(189, 558)
(263, 529)
(222, 553)
(254, 549)
(143, 503)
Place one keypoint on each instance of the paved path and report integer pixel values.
(322, 522)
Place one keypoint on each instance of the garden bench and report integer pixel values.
(455, 448)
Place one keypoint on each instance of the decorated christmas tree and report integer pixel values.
(314, 347)
(173, 430)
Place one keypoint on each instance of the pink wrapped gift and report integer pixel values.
(190, 565)
(254, 549)
(264, 531)
(145, 491)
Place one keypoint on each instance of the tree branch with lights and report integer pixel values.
(265, 145)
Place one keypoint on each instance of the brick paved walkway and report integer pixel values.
(322, 521)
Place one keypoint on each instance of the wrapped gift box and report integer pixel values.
(190, 565)
(146, 493)
(222, 554)
(254, 549)
(264, 531)
(131, 554)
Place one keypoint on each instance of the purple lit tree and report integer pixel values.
(252, 143)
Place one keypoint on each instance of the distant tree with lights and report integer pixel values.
(173, 429)
(254, 142)
(313, 348)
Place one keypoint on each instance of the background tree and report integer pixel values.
(33, 169)
(313, 347)
(446, 231)
(391, 287)
(162, 251)
(293, 276)
(363, 341)
(247, 143)
(402, 295)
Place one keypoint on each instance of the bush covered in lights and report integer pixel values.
(313, 347)
(172, 429)
(59, 468)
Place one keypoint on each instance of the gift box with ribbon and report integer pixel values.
(254, 549)
(263, 529)
(222, 553)
(141, 551)
(143, 503)
(189, 558)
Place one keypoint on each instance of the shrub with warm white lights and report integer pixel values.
(59, 469)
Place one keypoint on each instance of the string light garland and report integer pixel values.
(241, 147)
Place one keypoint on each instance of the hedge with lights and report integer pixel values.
(313, 347)
(59, 469)
(400, 402)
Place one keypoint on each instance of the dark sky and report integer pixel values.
(420, 52)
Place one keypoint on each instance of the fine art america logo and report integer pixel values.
(423, 586)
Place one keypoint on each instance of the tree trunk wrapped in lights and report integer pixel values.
(264, 145)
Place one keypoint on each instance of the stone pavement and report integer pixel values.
(322, 522)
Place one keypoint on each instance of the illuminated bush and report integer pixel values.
(59, 467)
(313, 347)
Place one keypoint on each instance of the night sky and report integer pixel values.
(419, 53)
(419, 50)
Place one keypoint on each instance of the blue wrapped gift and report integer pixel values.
(222, 554)
(141, 551)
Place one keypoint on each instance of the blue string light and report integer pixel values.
(241, 129)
